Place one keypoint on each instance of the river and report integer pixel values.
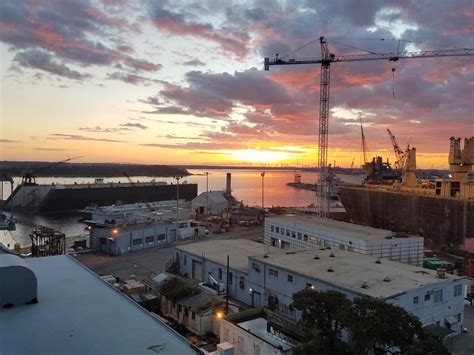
(246, 187)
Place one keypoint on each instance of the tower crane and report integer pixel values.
(365, 150)
(326, 59)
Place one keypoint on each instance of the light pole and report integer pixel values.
(263, 185)
(177, 204)
(207, 195)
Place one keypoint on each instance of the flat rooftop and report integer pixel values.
(333, 227)
(238, 250)
(78, 313)
(258, 327)
(351, 269)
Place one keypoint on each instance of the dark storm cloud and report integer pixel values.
(68, 30)
(230, 40)
(134, 125)
(38, 59)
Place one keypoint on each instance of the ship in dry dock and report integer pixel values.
(442, 212)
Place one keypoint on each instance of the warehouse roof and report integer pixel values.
(238, 250)
(359, 273)
(78, 313)
(333, 227)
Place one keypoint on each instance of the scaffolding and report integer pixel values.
(47, 242)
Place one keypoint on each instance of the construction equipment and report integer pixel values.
(326, 59)
(399, 153)
(28, 176)
(365, 150)
(352, 163)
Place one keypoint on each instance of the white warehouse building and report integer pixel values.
(300, 232)
(270, 278)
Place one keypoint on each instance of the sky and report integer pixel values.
(182, 82)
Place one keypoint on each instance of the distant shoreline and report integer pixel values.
(47, 169)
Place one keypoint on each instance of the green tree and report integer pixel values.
(324, 316)
(379, 326)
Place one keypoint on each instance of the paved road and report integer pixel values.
(464, 344)
(146, 263)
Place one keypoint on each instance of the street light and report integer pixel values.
(207, 173)
(263, 195)
(177, 204)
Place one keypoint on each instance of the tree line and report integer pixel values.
(333, 324)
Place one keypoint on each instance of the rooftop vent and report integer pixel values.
(365, 284)
(316, 257)
(266, 256)
(441, 273)
(332, 255)
(387, 279)
(330, 269)
(19, 285)
(378, 261)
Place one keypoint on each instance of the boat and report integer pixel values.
(442, 212)
(59, 198)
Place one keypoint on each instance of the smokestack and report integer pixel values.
(228, 186)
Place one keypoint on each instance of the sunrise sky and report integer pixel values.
(182, 82)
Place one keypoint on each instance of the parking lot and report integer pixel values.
(144, 264)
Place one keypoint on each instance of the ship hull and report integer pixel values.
(445, 222)
(64, 200)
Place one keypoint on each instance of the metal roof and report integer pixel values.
(383, 278)
(334, 227)
(78, 313)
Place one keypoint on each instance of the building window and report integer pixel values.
(458, 317)
(277, 229)
(137, 241)
(457, 290)
(287, 232)
(299, 236)
(305, 237)
(272, 228)
(220, 274)
(282, 232)
(438, 296)
(149, 239)
(160, 237)
(293, 234)
(185, 259)
(242, 282)
(415, 300)
(230, 278)
(273, 272)
(255, 267)
(290, 278)
(427, 296)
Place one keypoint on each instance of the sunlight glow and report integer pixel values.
(259, 156)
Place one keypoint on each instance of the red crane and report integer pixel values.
(327, 58)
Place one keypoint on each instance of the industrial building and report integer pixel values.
(270, 278)
(215, 202)
(300, 232)
(54, 305)
(258, 331)
(117, 237)
(198, 260)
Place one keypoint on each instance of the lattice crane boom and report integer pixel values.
(326, 59)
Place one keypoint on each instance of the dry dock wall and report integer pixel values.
(442, 221)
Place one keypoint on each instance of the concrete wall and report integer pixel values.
(245, 342)
(288, 235)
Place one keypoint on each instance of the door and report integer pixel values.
(256, 299)
(197, 270)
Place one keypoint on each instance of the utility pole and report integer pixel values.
(207, 197)
(227, 289)
(177, 205)
(263, 193)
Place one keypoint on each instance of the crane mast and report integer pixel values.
(326, 59)
(399, 153)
